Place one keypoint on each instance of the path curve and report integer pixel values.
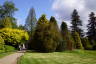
(11, 59)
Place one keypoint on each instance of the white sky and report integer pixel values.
(64, 8)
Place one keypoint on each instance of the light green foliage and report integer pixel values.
(1, 43)
(6, 22)
(77, 41)
(53, 36)
(67, 57)
(86, 43)
(9, 48)
(1, 40)
(14, 36)
(55, 29)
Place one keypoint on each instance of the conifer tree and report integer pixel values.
(38, 40)
(31, 21)
(76, 23)
(47, 36)
(92, 29)
(55, 36)
(77, 41)
(67, 43)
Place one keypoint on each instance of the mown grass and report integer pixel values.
(67, 57)
(5, 54)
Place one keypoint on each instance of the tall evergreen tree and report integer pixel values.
(92, 29)
(47, 36)
(31, 21)
(76, 23)
(38, 40)
(67, 43)
(55, 36)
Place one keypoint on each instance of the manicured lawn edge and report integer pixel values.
(6, 54)
(76, 56)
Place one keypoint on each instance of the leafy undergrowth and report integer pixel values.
(67, 57)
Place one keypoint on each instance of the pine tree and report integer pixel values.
(67, 43)
(77, 41)
(92, 29)
(76, 23)
(31, 21)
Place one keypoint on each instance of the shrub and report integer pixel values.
(14, 37)
(9, 48)
(1, 43)
(86, 43)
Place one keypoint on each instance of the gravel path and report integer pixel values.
(11, 59)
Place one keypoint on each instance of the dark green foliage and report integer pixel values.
(92, 29)
(31, 21)
(76, 23)
(6, 15)
(66, 38)
(47, 36)
(54, 35)
(21, 27)
(7, 9)
(14, 23)
(3, 47)
(77, 41)
(86, 44)
(70, 42)
(37, 42)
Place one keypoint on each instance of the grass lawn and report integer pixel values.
(5, 54)
(67, 57)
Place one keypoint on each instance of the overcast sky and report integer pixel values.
(61, 9)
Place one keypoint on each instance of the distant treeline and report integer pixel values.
(44, 34)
